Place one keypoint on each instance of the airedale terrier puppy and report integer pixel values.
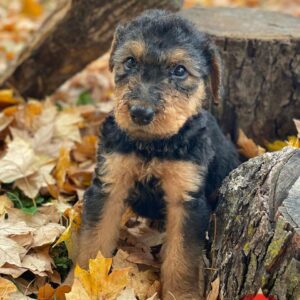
(160, 153)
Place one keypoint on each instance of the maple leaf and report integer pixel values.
(98, 283)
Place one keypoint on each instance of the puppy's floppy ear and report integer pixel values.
(215, 77)
(114, 45)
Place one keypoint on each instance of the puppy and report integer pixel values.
(160, 153)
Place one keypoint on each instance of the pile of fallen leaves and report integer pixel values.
(47, 158)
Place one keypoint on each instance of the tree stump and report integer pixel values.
(261, 55)
(75, 34)
(257, 242)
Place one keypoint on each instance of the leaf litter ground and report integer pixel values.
(47, 157)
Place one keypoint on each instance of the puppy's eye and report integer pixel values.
(180, 71)
(130, 63)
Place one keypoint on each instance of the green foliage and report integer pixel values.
(85, 98)
(62, 262)
(26, 204)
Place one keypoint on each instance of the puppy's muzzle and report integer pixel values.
(141, 115)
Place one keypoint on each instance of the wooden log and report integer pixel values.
(257, 244)
(75, 34)
(261, 55)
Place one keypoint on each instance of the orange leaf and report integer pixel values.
(31, 8)
(247, 147)
(62, 165)
(86, 149)
(47, 292)
(10, 111)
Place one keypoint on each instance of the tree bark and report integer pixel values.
(261, 56)
(75, 34)
(257, 242)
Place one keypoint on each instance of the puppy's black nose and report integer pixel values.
(141, 115)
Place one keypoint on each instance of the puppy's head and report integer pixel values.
(163, 68)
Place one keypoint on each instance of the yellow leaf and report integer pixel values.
(71, 230)
(31, 8)
(293, 141)
(6, 288)
(7, 98)
(98, 283)
(277, 145)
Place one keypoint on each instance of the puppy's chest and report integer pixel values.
(173, 180)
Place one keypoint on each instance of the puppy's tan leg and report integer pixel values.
(104, 205)
(187, 219)
(101, 235)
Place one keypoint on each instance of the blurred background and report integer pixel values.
(20, 18)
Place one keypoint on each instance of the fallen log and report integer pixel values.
(75, 34)
(257, 242)
(260, 51)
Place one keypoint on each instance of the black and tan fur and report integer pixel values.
(167, 167)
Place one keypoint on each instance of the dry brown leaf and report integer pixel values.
(297, 124)
(5, 203)
(45, 214)
(144, 283)
(4, 121)
(32, 184)
(127, 294)
(11, 252)
(12, 270)
(47, 234)
(8, 228)
(6, 288)
(38, 261)
(19, 161)
(247, 147)
(66, 126)
(214, 292)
